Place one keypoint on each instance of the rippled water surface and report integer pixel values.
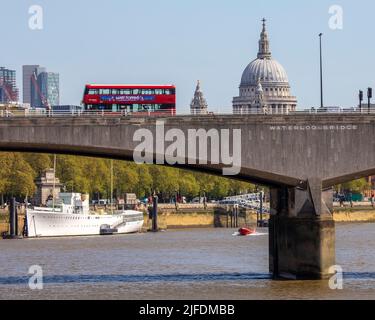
(177, 264)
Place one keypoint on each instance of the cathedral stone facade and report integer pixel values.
(264, 85)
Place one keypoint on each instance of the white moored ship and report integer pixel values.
(70, 216)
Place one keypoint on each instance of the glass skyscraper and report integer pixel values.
(49, 88)
(41, 88)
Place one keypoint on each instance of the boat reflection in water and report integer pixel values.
(70, 216)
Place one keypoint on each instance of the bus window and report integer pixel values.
(125, 91)
(148, 91)
(167, 91)
(158, 91)
(104, 91)
(114, 91)
(135, 107)
(135, 91)
(93, 91)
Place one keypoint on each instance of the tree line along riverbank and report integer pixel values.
(18, 172)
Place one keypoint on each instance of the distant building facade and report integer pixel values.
(27, 78)
(67, 108)
(198, 104)
(47, 186)
(8, 88)
(40, 88)
(49, 84)
(264, 84)
(37, 99)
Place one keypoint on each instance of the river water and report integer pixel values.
(176, 264)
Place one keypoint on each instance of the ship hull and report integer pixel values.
(53, 224)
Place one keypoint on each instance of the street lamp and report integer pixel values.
(321, 70)
(369, 96)
(360, 100)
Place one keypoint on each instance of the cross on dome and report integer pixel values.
(264, 44)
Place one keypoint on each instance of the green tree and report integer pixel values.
(165, 180)
(126, 177)
(206, 183)
(70, 171)
(145, 181)
(20, 177)
(5, 169)
(188, 185)
(239, 187)
(221, 187)
(39, 162)
(97, 172)
(359, 185)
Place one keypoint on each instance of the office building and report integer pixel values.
(8, 88)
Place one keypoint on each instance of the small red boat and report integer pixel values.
(246, 231)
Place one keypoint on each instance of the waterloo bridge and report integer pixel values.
(300, 157)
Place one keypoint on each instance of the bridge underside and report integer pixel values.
(246, 174)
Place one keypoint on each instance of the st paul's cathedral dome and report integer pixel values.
(264, 84)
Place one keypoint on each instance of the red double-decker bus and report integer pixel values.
(137, 99)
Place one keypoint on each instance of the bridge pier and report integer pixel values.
(302, 232)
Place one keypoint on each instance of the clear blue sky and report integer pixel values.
(176, 41)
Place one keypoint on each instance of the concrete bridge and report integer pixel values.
(299, 156)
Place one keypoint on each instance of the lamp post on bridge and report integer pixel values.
(360, 100)
(369, 96)
(321, 71)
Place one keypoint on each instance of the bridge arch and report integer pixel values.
(246, 175)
